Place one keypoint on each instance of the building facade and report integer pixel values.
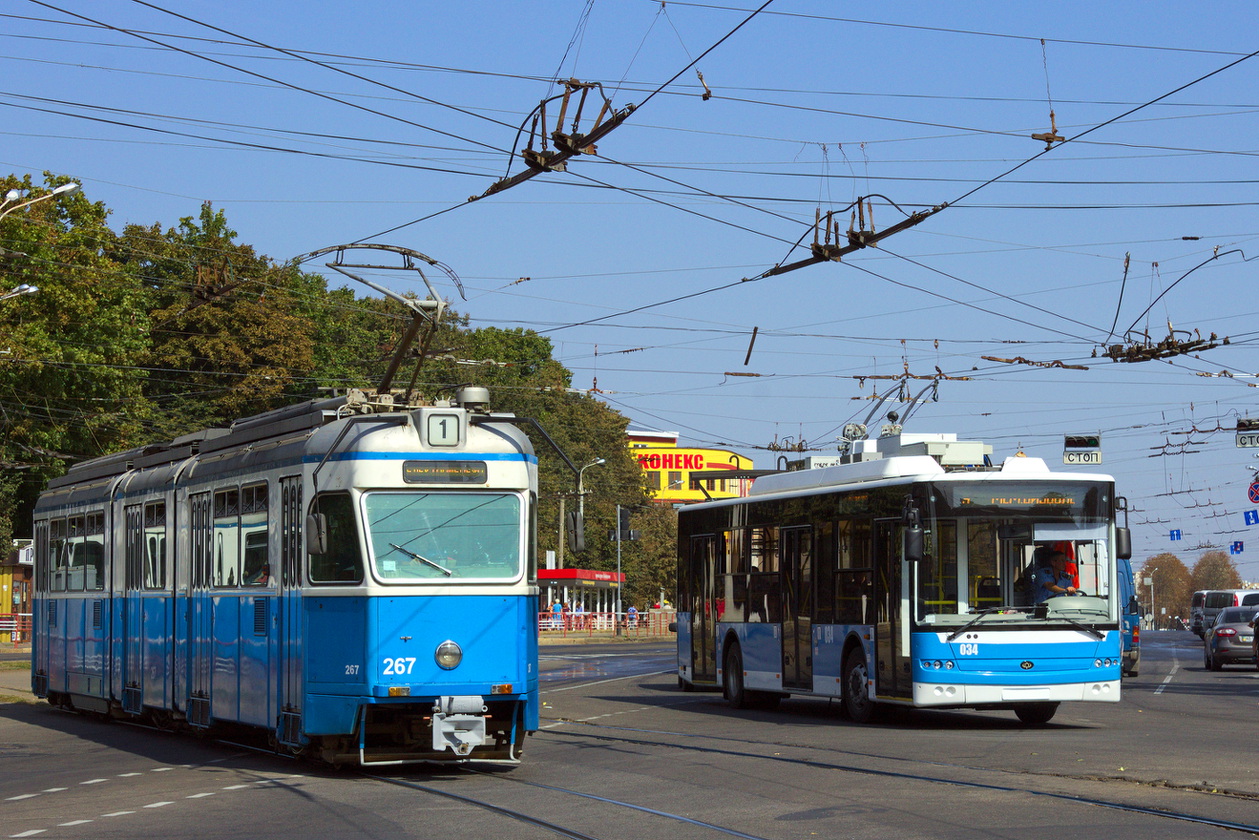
(670, 468)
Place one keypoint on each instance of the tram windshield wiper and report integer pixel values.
(425, 560)
(978, 617)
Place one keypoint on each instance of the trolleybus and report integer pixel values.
(904, 575)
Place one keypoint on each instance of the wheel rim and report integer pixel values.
(858, 701)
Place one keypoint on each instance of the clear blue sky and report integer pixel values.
(396, 111)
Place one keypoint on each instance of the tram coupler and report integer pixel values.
(459, 723)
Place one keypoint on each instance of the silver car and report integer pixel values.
(1230, 639)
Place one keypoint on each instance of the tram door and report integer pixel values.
(200, 610)
(797, 573)
(891, 631)
(703, 607)
(131, 670)
(291, 552)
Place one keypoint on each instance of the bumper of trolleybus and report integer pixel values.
(994, 688)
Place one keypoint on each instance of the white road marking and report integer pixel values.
(73, 822)
(118, 814)
(158, 804)
(21, 796)
(1167, 679)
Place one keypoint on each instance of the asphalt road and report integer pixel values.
(623, 753)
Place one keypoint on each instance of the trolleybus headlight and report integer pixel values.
(448, 655)
(937, 664)
(948, 666)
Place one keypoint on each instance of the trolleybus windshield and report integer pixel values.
(437, 537)
(986, 540)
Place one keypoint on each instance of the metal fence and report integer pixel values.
(652, 623)
(15, 628)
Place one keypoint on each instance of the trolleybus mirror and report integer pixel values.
(1123, 543)
(316, 534)
(577, 527)
(913, 543)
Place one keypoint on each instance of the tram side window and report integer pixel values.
(255, 567)
(225, 560)
(764, 583)
(855, 573)
(58, 555)
(78, 549)
(155, 545)
(343, 561)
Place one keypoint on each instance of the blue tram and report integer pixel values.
(354, 577)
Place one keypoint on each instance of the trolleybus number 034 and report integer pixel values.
(397, 667)
(968, 649)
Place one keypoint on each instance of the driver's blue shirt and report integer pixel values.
(1044, 577)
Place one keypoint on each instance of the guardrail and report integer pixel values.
(606, 624)
(15, 628)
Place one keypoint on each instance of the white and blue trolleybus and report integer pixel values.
(905, 575)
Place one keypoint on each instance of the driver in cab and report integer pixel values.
(1052, 579)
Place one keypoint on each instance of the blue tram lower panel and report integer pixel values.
(381, 651)
(1012, 666)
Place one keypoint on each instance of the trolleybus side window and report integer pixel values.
(735, 578)
(855, 576)
(342, 562)
(764, 583)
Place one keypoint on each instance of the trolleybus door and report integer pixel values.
(704, 608)
(291, 551)
(891, 630)
(797, 572)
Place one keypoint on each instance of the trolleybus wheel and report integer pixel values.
(857, 700)
(1036, 714)
(732, 682)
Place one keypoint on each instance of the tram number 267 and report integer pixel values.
(400, 666)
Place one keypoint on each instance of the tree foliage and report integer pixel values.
(1215, 570)
(142, 336)
(1172, 585)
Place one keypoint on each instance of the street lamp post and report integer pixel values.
(581, 493)
(14, 195)
(1150, 582)
(24, 289)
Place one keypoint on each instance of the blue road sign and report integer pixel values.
(1236, 547)
(1175, 534)
(1252, 493)
(1251, 517)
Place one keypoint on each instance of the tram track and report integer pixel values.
(550, 825)
(605, 734)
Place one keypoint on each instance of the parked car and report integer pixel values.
(1231, 639)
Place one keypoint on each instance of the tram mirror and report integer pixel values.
(1123, 543)
(577, 527)
(913, 543)
(316, 534)
(1014, 532)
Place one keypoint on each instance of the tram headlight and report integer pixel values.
(448, 655)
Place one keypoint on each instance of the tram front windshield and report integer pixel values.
(437, 537)
(985, 542)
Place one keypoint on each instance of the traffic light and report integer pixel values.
(1082, 442)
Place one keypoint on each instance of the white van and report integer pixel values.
(1218, 599)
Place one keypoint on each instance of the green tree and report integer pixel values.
(1215, 570)
(227, 337)
(71, 385)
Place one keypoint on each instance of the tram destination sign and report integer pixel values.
(444, 472)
